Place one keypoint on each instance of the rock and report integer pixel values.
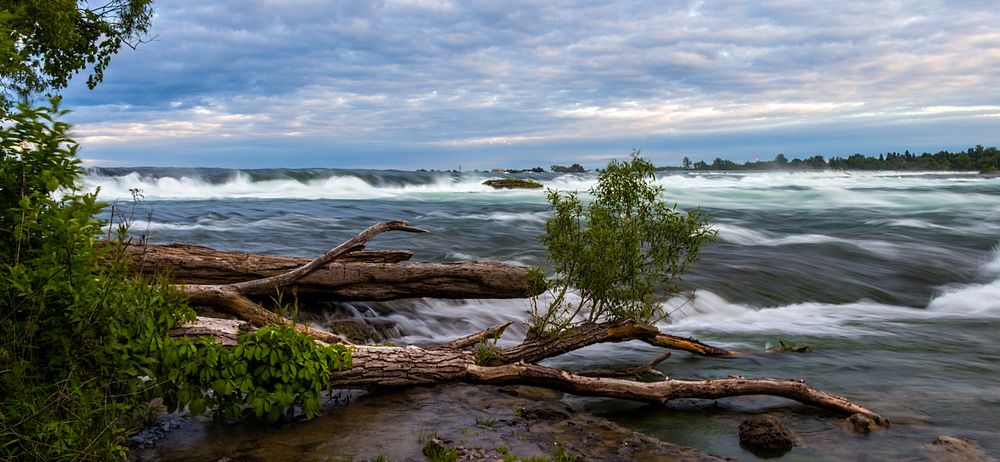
(397, 425)
(356, 330)
(859, 423)
(953, 449)
(766, 434)
(546, 411)
(513, 183)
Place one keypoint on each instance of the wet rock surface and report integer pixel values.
(953, 449)
(513, 183)
(860, 424)
(479, 422)
(148, 437)
(766, 435)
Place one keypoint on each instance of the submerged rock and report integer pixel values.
(477, 422)
(859, 423)
(357, 330)
(767, 435)
(952, 449)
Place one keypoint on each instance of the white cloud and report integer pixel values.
(459, 74)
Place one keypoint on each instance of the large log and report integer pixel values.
(356, 276)
(381, 367)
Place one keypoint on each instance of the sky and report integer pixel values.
(444, 84)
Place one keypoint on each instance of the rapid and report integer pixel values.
(891, 279)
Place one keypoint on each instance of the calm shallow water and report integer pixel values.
(892, 279)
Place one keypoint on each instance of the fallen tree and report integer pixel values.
(615, 259)
(355, 276)
(477, 359)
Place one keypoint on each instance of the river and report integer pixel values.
(891, 279)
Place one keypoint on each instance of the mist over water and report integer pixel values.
(892, 279)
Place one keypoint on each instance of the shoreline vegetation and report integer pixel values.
(974, 159)
(977, 158)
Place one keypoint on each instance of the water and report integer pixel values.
(892, 279)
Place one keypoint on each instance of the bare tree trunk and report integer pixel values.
(357, 276)
(381, 367)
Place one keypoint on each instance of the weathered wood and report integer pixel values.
(359, 276)
(537, 349)
(231, 301)
(663, 391)
(378, 367)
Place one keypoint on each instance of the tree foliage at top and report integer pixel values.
(44, 43)
(622, 253)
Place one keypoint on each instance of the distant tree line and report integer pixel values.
(985, 160)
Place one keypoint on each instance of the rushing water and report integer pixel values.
(892, 280)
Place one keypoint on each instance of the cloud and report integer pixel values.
(429, 76)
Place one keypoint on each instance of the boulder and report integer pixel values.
(953, 449)
(766, 435)
(512, 183)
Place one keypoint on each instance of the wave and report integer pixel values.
(508, 217)
(905, 223)
(735, 234)
(341, 185)
(742, 191)
(235, 222)
(972, 299)
(968, 299)
(992, 267)
(703, 310)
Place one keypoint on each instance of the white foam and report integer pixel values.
(740, 235)
(529, 217)
(906, 223)
(707, 311)
(432, 320)
(240, 186)
(992, 267)
(971, 299)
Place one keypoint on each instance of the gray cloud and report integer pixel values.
(453, 80)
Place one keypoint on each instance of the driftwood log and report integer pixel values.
(381, 367)
(376, 367)
(356, 276)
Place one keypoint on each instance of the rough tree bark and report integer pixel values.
(380, 367)
(357, 276)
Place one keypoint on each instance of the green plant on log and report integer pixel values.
(487, 352)
(622, 253)
(269, 374)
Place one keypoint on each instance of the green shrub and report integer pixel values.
(84, 344)
(272, 372)
(623, 252)
(79, 337)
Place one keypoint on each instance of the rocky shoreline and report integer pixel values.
(482, 422)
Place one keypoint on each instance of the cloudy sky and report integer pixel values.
(517, 83)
